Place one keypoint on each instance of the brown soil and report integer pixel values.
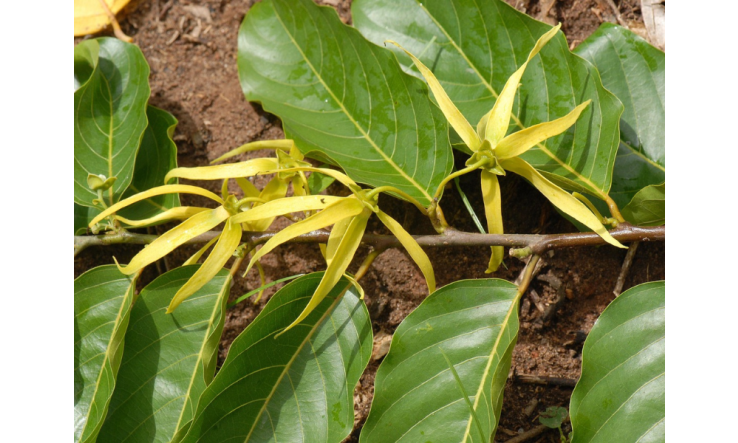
(192, 53)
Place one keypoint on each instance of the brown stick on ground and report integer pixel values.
(527, 435)
(626, 268)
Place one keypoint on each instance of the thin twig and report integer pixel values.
(367, 263)
(527, 435)
(626, 268)
(531, 244)
(116, 26)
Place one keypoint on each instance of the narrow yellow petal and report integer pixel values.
(493, 211)
(344, 253)
(262, 279)
(560, 198)
(170, 240)
(196, 256)
(413, 248)
(337, 233)
(518, 142)
(347, 207)
(287, 205)
(452, 113)
(274, 190)
(248, 188)
(356, 284)
(178, 213)
(247, 168)
(223, 250)
(494, 125)
(153, 192)
(284, 145)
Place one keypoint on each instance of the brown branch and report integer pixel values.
(543, 380)
(522, 244)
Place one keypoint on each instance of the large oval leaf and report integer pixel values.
(109, 114)
(102, 306)
(417, 397)
(342, 96)
(474, 47)
(621, 394)
(635, 71)
(298, 387)
(168, 361)
(157, 155)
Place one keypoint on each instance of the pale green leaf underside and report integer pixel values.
(157, 155)
(109, 117)
(295, 388)
(168, 359)
(416, 397)
(102, 305)
(648, 207)
(635, 72)
(473, 47)
(621, 394)
(342, 96)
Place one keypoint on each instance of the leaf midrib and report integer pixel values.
(364, 134)
(515, 118)
(289, 364)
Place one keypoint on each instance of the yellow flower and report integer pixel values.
(495, 153)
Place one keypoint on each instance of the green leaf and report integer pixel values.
(298, 387)
(102, 306)
(621, 394)
(156, 156)
(83, 215)
(343, 97)
(473, 48)
(553, 417)
(648, 207)
(635, 71)
(318, 182)
(169, 359)
(109, 114)
(416, 396)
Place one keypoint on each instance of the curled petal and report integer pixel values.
(153, 192)
(170, 240)
(276, 189)
(337, 233)
(288, 205)
(493, 211)
(341, 177)
(223, 250)
(178, 213)
(452, 113)
(560, 198)
(413, 248)
(519, 142)
(493, 126)
(284, 145)
(247, 168)
(347, 207)
(344, 253)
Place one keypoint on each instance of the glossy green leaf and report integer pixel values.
(343, 97)
(297, 387)
(83, 215)
(157, 155)
(621, 395)
(102, 306)
(648, 207)
(635, 71)
(109, 115)
(168, 361)
(473, 47)
(416, 396)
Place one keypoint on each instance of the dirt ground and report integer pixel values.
(191, 48)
